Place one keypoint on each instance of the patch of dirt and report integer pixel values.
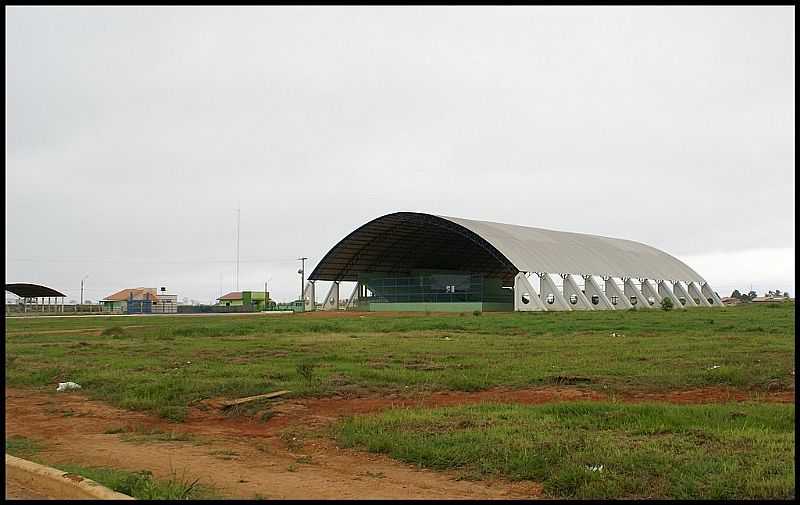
(20, 489)
(290, 456)
(264, 466)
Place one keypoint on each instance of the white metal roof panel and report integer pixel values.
(539, 250)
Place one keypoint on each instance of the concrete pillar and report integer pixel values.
(573, 292)
(666, 292)
(332, 298)
(695, 291)
(526, 298)
(634, 293)
(549, 290)
(309, 297)
(355, 297)
(709, 293)
(612, 290)
(681, 292)
(593, 290)
(650, 290)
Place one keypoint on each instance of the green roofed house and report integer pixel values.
(255, 299)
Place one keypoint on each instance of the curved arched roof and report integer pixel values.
(32, 290)
(406, 241)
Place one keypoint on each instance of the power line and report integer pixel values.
(147, 261)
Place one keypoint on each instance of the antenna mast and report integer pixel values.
(238, 233)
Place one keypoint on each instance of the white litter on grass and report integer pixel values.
(66, 386)
(447, 338)
(594, 468)
(714, 367)
(615, 334)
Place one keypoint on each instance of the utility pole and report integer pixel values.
(302, 273)
(265, 295)
(86, 277)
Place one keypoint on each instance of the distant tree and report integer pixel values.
(666, 304)
(751, 295)
(736, 294)
(786, 294)
(777, 292)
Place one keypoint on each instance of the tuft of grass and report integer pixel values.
(143, 434)
(22, 447)
(304, 460)
(306, 371)
(598, 450)
(293, 440)
(225, 454)
(141, 485)
(113, 331)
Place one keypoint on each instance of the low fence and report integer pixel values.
(57, 309)
(214, 309)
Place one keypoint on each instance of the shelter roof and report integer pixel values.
(32, 290)
(406, 241)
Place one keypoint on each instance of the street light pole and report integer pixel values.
(302, 273)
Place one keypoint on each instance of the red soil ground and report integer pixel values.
(290, 455)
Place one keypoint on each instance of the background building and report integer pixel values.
(141, 301)
(254, 299)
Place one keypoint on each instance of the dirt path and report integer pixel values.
(18, 490)
(291, 456)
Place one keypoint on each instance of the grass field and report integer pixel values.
(598, 450)
(744, 450)
(163, 364)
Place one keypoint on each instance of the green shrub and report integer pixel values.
(114, 331)
(666, 304)
(306, 370)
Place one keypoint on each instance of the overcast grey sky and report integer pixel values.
(132, 134)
